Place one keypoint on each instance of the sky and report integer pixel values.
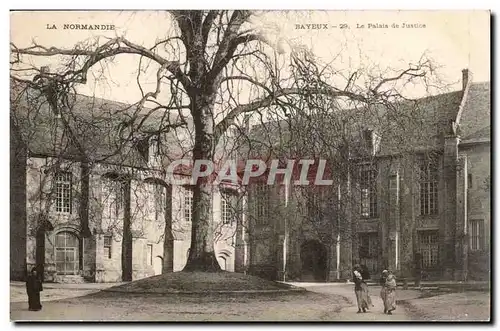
(453, 39)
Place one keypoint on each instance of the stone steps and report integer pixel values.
(69, 279)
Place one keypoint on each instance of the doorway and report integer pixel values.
(369, 251)
(158, 265)
(67, 253)
(313, 255)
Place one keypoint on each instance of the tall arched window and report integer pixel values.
(67, 253)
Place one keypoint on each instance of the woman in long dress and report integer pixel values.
(361, 290)
(33, 289)
(388, 292)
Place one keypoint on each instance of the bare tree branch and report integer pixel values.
(109, 49)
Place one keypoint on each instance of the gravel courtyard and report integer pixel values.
(322, 302)
(139, 307)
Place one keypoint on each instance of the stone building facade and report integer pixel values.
(138, 223)
(434, 201)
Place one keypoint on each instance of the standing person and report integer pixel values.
(33, 288)
(361, 290)
(383, 278)
(388, 292)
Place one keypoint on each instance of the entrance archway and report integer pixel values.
(67, 249)
(158, 265)
(314, 261)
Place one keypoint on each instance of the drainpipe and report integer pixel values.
(338, 235)
(285, 241)
(397, 251)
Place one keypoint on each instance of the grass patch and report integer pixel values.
(198, 282)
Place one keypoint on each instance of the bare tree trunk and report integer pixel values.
(40, 251)
(202, 253)
(84, 201)
(168, 240)
(127, 234)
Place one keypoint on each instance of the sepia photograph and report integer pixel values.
(250, 166)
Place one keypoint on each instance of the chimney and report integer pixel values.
(44, 70)
(48, 89)
(466, 78)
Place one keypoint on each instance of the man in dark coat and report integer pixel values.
(33, 288)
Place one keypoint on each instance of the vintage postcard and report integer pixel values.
(233, 165)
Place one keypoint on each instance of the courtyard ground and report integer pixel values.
(322, 302)
(114, 306)
(463, 306)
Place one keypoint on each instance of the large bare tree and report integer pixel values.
(218, 67)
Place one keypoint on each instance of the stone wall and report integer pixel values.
(18, 220)
(399, 221)
(479, 206)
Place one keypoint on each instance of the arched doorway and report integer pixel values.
(223, 259)
(158, 265)
(222, 262)
(67, 253)
(314, 261)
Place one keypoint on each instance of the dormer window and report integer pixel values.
(142, 146)
(153, 148)
(372, 141)
(148, 149)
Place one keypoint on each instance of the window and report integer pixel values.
(118, 198)
(225, 208)
(476, 231)
(428, 247)
(260, 200)
(63, 192)
(150, 254)
(188, 205)
(429, 187)
(228, 206)
(67, 253)
(107, 246)
(317, 201)
(368, 185)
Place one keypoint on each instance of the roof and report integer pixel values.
(484, 133)
(475, 120)
(107, 131)
(416, 125)
(102, 127)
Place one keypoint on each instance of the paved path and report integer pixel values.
(376, 313)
